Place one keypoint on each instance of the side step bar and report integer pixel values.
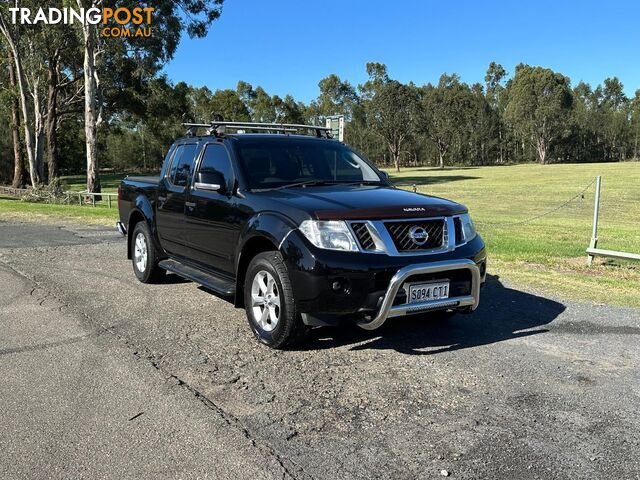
(219, 285)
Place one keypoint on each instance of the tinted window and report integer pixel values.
(277, 163)
(167, 158)
(215, 159)
(182, 164)
(174, 163)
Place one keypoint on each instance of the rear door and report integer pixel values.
(212, 217)
(172, 192)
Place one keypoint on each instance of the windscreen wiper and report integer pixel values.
(363, 182)
(308, 183)
(320, 183)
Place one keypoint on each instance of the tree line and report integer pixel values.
(75, 103)
(62, 86)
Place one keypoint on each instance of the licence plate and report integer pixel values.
(424, 292)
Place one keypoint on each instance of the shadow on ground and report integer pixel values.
(504, 314)
(172, 278)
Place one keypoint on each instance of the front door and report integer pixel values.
(172, 192)
(211, 217)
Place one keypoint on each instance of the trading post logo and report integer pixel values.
(118, 22)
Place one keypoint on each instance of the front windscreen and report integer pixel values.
(271, 164)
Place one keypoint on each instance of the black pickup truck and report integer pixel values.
(299, 230)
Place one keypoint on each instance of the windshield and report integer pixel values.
(272, 164)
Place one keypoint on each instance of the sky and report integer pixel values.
(287, 46)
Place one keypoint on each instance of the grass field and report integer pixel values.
(15, 209)
(12, 209)
(547, 254)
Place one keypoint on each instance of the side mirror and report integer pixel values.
(211, 182)
(385, 175)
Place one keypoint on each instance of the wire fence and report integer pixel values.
(564, 204)
(560, 206)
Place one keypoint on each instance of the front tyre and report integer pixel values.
(144, 256)
(269, 302)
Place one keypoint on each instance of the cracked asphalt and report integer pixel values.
(104, 377)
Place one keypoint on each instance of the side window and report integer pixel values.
(215, 159)
(174, 163)
(169, 154)
(182, 165)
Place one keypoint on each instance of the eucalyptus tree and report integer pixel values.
(7, 99)
(540, 103)
(616, 112)
(44, 58)
(483, 129)
(288, 110)
(337, 97)
(262, 106)
(200, 109)
(228, 105)
(10, 101)
(495, 92)
(390, 109)
(64, 90)
(445, 110)
(13, 35)
(635, 124)
(136, 59)
(584, 121)
(247, 95)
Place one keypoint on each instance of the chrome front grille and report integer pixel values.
(396, 237)
(416, 235)
(363, 235)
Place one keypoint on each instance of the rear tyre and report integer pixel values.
(144, 256)
(269, 302)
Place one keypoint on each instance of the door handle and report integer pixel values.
(190, 204)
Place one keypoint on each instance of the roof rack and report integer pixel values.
(219, 128)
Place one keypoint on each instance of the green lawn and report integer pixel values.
(546, 254)
(549, 253)
(14, 209)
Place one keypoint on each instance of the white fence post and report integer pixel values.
(596, 213)
(593, 249)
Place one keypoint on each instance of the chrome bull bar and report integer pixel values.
(388, 310)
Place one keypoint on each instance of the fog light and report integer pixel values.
(341, 285)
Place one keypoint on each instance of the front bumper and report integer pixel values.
(371, 285)
(388, 310)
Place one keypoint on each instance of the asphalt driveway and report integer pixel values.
(102, 376)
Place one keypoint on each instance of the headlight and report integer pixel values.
(333, 235)
(468, 228)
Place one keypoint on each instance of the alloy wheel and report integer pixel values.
(265, 301)
(140, 252)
